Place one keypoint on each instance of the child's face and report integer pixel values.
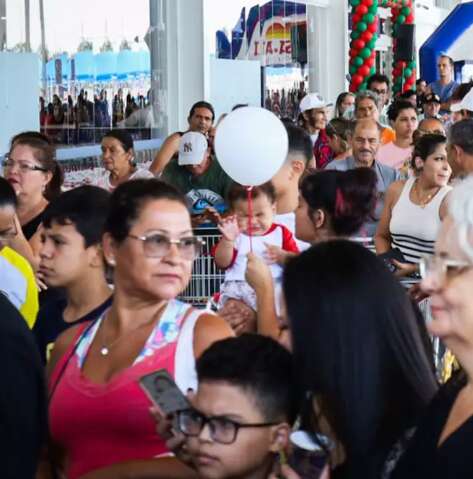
(64, 259)
(252, 453)
(262, 218)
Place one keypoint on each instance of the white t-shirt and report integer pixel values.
(12, 283)
(104, 180)
(289, 221)
(394, 156)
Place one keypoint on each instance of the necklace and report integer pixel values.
(105, 349)
(424, 202)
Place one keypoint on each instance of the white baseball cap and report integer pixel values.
(313, 101)
(192, 148)
(465, 104)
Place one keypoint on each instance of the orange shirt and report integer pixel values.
(387, 135)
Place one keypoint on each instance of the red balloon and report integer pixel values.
(369, 62)
(362, 9)
(367, 35)
(368, 3)
(359, 44)
(357, 79)
(353, 53)
(355, 18)
(364, 70)
(353, 88)
(410, 18)
(373, 27)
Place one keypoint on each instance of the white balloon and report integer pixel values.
(251, 145)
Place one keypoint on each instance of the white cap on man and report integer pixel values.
(313, 101)
(465, 104)
(192, 148)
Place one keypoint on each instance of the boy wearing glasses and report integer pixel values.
(243, 409)
(71, 258)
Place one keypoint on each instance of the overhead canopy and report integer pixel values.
(454, 37)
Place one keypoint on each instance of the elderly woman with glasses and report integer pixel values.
(99, 415)
(441, 447)
(30, 167)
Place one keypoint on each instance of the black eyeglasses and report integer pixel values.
(23, 166)
(222, 430)
(158, 245)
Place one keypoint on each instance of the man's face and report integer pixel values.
(7, 225)
(365, 145)
(201, 120)
(454, 160)
(63, 256)
(445, 68)
(367, 109)
(202, 167)
(382, 90)
(421, 88)
(431, 109)
(250, 455)
(405, 123)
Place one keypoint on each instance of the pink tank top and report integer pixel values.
(104, 424)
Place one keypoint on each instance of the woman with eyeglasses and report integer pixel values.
(118, 160)
(31, 168)
(441, 447)
(414, 208)
(99, 415)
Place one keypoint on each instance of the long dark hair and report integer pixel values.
(348, 198)
(358, 348)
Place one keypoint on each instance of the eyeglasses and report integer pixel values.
(222, 430)
(444, 268)
(23, 166)
(379, 91)
(158, 245)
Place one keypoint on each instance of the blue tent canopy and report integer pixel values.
(85, 66)
(105, 66)
(128, 64)
(456, 30)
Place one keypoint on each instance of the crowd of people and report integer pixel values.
(316, 328)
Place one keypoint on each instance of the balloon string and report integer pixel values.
(250, 216)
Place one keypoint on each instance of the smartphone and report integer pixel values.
(164, 392)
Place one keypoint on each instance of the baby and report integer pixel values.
(273, 242)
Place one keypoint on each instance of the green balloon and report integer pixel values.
(405, 11)
(353, 69)
(371, 44)
(401, 19)
(362, 27)
(373, 9)
(368, 18)
(354, 3)
(373, 70)
(365, 53)
(358, 61)
(354, 35)
(407, 72)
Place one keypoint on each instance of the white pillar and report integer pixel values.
(328, 47)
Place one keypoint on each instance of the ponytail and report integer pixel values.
(53, 188)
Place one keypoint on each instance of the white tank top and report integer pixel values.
(414, 228)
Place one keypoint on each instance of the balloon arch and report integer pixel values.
(365, 23)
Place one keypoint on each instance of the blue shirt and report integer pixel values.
(385, 174)
(443, 91)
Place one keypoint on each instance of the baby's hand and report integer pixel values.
(229, 228)
(275, 254)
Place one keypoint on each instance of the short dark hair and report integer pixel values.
(426, 145)
(347, 197)
(259, 366)
(7, 194)
(340, 127)
(85, 207)
(45, 153)
(461, 134)
(377, 78)
(123, 136)
(299, 142)
(128, 200)
(239, 192)
(450, 59)
(420, 80)
(349, 315)
(407, 94)
(202, 104)
(397, 107)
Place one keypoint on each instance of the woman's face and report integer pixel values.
(305, 230)
(152, 278)
(29, 183)
(348, 102)
(114, 156)
(334, 143)
(450, 289)
(435, 169)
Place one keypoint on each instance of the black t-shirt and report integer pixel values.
(454, 458)
(50, 323)
(23, 405)
(30, 228)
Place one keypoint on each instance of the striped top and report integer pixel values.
(414, 228)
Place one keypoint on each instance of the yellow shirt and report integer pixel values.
(29, 308)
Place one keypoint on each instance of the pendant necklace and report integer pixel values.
(105, 349)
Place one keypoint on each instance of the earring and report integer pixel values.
(111, 262)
